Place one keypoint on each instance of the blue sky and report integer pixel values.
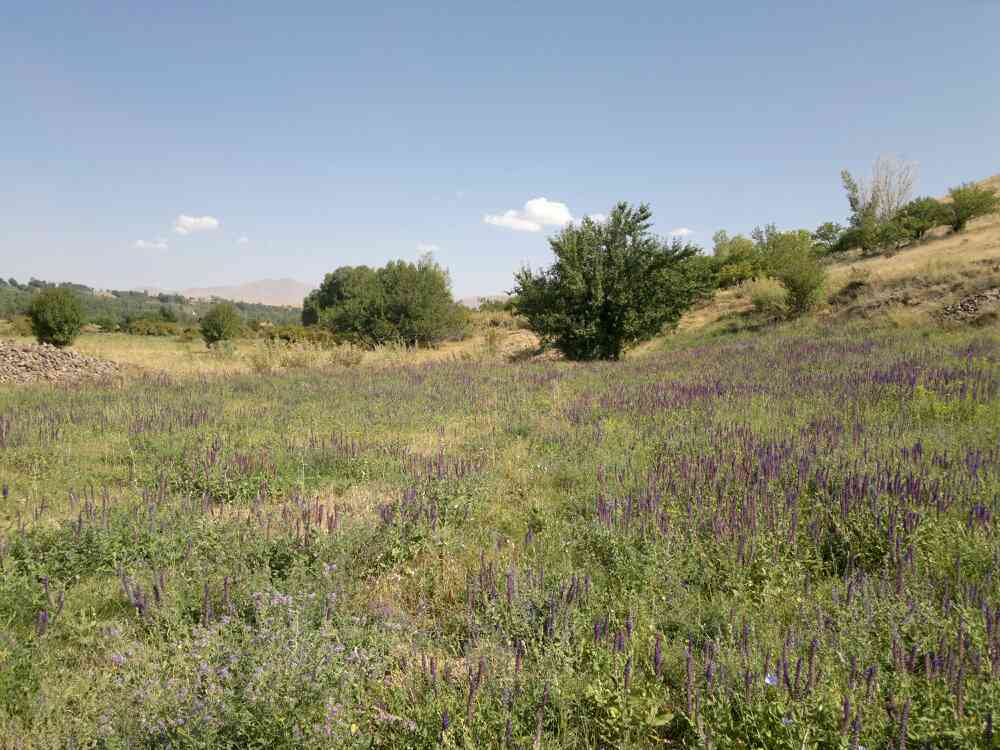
(286, 139)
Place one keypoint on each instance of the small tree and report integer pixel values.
(827, 238)
(920, 216)
(56, 316)
(875, 202)
(613, 285)
(222, 322)
(969, 202)
(790, 258)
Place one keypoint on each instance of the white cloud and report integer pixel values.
(681, 232)
(185, 224)
(243, 240)
(427, 247)
(537, 214)
(157, 244)
(599, 218)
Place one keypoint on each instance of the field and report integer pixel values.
(781, 540)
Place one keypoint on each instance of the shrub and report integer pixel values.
(20, 325)
(221, 323)
(920, 216)
(410, 303)
(827, 238)
(789, 257)
(152, 327)
(767, 295)
(969, 202)
(803, 277)
(56, 316)
(737, 258)
(614, 284)
(299, 334)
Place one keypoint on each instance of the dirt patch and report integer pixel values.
(32, 363)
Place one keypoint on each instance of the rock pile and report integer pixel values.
(972, 308)
(30, 363)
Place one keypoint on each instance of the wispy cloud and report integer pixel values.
(681, 232)
(599, 218)
(537, 214)
(185, 224)
(157, 244)
(427, 247)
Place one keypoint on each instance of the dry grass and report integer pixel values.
(193, 359)
(944, 260)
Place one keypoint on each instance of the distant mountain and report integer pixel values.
(288, 292)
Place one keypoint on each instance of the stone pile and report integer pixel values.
(970, 308)
(31, 363)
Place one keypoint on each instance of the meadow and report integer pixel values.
(777, 540)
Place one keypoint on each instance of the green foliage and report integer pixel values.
(828, 238)
(921, 215)
(738, 258)
(56, 316)
(767, 295)
(221, 323)
(731, 248)
(789, 257)
(968, 202)
(152, 327)
(614, 284)
(300, 334)
(408, 303)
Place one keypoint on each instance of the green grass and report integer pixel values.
(358, 558)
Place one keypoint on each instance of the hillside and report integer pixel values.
(278, 292)
(913, 285)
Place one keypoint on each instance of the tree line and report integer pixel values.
(613, 284)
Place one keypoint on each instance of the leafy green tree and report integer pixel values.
(56, 316)
(613, 284)
(736, 258)
(405, 302)
(222, 322)
(919, 216)
(827, 237)
(968, 202)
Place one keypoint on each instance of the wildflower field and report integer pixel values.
(788, 540)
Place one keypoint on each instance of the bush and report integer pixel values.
(828, 238)
(221, 323)
(56, 316)
(920, 216)
(790, 258)
(152, 327)
(768, 296)
(969, 202)
(20, 325)
(614, 284)
(408, 303)
(299, 334)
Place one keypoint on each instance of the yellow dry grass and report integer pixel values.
(193, 359)
(942, 257)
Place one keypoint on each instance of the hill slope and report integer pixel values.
(915, 282)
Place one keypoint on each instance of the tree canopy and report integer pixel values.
(406, 302)
(613, 284)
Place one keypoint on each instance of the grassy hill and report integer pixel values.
(910, 286)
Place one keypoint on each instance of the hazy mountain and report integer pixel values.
(266, 292)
